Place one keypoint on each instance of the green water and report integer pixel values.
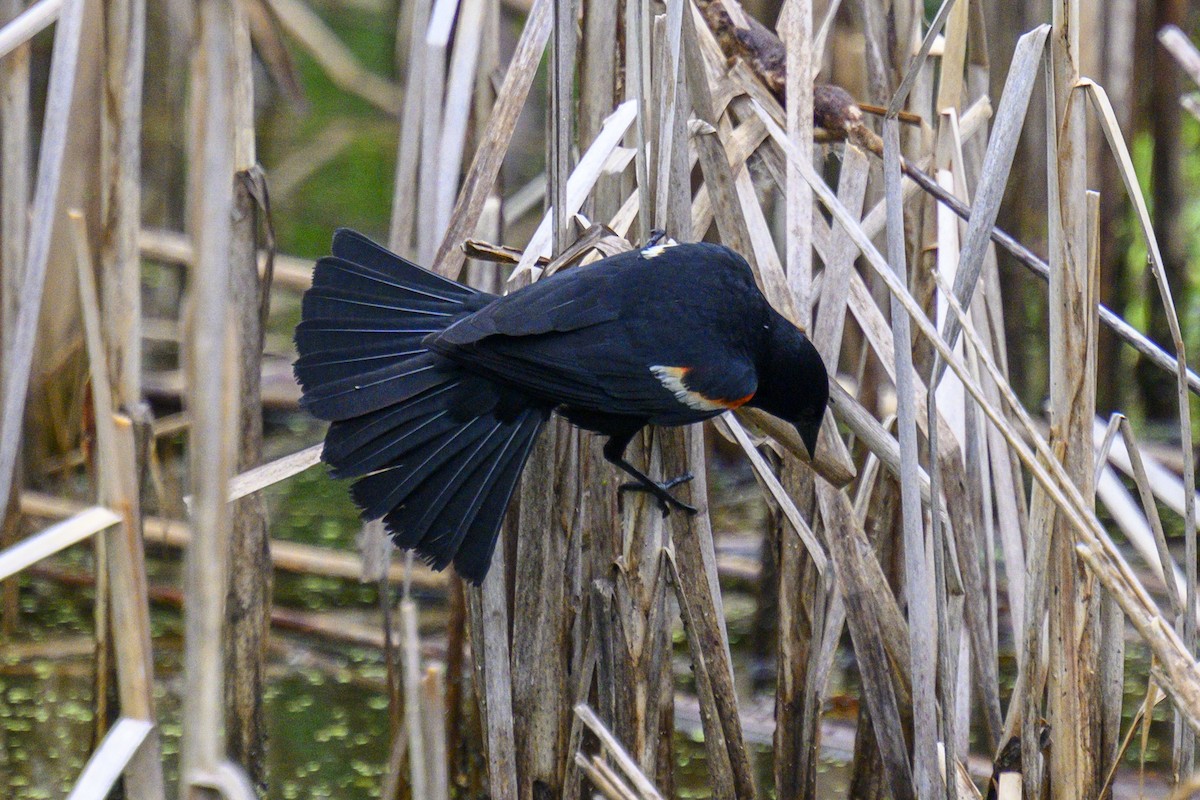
(326, 712)
(326, 704)
(327, 725)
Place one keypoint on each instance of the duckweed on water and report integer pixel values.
(337, 730)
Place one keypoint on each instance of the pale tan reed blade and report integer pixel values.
(627, 765)
(57, 537)
(816, 552)
(271, 473)
(1182, 49)
(55, 128)
(28, 24)
(288, 556)
(110, 759)
(485, 167)
(579, 185)
(214, 399)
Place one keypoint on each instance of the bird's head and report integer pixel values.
(793, 384)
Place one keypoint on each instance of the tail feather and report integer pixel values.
(369, 309)
(324, 366)
(474, 554)
(445, 533)
(436, 450)
(353, 247)
(402, 282)
(352, 445)
(379, 388)
(374, 441)
(437, 499)
(332, 349)
(382, 491)
(387, 449)
(340, 333)
(459, 520)
(343, 303)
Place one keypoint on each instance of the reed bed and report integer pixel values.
(941, 520)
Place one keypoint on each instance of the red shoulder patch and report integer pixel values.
(675, 380)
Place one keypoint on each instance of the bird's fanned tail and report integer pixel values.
(437, 450)
(446, 497)
(367, 312)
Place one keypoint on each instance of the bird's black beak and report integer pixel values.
(808, 433)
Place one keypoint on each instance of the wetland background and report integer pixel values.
(343, 139)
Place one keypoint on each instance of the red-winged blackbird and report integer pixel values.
(437, 391)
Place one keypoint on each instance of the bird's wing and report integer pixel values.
(588, 368)
(561, 338)
(568, 301)
(601, 369)
(608, 338)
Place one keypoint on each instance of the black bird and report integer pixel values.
(437, 391)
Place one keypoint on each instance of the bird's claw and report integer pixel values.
(665, 499)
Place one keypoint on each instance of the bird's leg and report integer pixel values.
(614, 452)
(644, 484)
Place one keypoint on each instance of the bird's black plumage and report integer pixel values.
(436, 392)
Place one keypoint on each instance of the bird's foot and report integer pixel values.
(666, 500)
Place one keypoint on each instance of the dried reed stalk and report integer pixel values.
(546, 569)
(1110, 677)
(78, 527)
(433, 704)
(14, 225)
(868, 631)
(541, 650)
(1072, 690)
(640, 783)
(697, 588)
(119, 257)
(462, 77)
(796, 718)
(105, 766)
(214, 407)
(490, 651)
(55, 128)
(288, 556)
(22, 27)
(485, 167)
(431, 90)
(419, 764)
(248, 601)
(922, 630)
(123, 553)
(401, 236)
